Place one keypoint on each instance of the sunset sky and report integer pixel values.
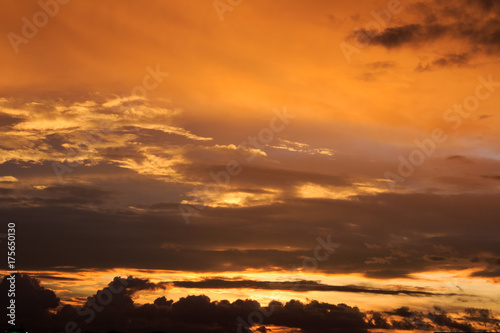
(319, 151)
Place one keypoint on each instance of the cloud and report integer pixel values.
(448, 60)
(299, 286)
(198, 313)
(255, 176)
(32, 301)
(52, 277)
(97, 130)
(487, 273)
(412, 33)
(302, 148)
(61, 195)
(6, 191)
(459, 158)
(470, 27)
(82, 193)
(113, 309)
(384, 64)
(405, 319)
(409, 242)
(8, 179)
(493, 177)
(7, 120)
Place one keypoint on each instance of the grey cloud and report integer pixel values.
(7, 120)
(200, 314)
(299, 286)
(218, 236)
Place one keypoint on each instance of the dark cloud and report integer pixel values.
(460, 158)
(69, 195)
(448, 60)
(482, 316)
(494, 177)
(487, 273)
(370, 76)
(162, 206)
(387, 273)
(485, 116)
(76, 191)
(7, 120)
(299, 286)
(55, 141)
(317, 317)
(112, 309)
(412, 33)
(374, 70)
(441, 319)
(451, 59)
(405, 319)
(257, 177)
(403, 311)
(485, 5)
(380, 64)
(436, 258)
(162, 301)
(57, 195)
(475, 25)
(32, 301)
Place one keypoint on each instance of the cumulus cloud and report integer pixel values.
(434, 319)
(113, 309)
(470, 27)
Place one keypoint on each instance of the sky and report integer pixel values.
(318, 166)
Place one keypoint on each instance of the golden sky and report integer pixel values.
(215, 147)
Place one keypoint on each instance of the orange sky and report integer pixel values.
(169, 140)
